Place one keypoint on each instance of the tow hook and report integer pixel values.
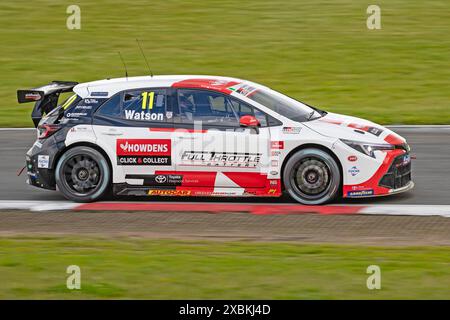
(19, 172)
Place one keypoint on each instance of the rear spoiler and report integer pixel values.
(45, 97)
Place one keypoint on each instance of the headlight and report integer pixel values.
(368, 148)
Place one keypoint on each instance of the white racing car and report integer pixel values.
(205, 136)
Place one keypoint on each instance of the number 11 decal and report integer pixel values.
(147, 96)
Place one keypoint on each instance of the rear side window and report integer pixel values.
(111, 108)
(145, 105)
(138, 105)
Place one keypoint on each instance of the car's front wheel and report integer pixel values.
(83, 174)
(312, 176)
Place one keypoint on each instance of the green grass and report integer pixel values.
(318, 51)
(161, 269)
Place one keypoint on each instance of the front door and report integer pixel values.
(212, 151)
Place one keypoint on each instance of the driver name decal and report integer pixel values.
(141, 152)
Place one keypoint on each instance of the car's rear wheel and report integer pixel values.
(312, 176)
(83, 174)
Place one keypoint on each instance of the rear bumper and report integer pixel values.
(39, 177)
(40, 163)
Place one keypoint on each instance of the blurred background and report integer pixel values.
(320, 52)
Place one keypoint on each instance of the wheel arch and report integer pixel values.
(316, 146)
(84, 144)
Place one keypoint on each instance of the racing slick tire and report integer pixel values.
(83, 174)
(311, 176)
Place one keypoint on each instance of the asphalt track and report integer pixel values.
(431, 171)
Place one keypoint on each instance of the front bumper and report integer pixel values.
(393, 176)
(407, 187)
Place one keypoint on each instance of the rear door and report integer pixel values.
(135, 127)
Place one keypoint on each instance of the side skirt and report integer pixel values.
(124, 189)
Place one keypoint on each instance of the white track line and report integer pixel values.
(398, 210)
(37, 205)
(408, 210)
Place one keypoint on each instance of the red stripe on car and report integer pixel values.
(394, 139)
(210, 84)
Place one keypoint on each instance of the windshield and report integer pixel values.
(281, 104)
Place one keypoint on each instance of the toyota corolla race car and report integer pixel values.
(205, 136)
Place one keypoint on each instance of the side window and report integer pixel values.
(145, 105)
(111, 108)
(210, 107)
(243, 109)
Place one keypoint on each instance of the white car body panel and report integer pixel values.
(274, 144)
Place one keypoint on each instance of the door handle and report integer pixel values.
(112, 132)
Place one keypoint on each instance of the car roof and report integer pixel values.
(109, 87)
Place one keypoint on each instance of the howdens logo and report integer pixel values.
(143, 147)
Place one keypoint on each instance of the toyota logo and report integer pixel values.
(160, 179)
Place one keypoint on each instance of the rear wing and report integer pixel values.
(45, 97)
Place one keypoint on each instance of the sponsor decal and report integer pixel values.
(83, 107)
(353, 171)
(90, 101)
(158, 192)
(143, 115)
(359, 187)
(275, 153)
(375, 131)
(35, 96)
(38, 144)
(244, 90)
(292, 130)
(406, 160)
(273, 182)
(220, 159)
(277, 145)
(274, 163)
(143, 152)
(361, 193)
(75, 114)
(43, 161)
(372, 130)
(352, 158)
(99, 94)
(160, 179)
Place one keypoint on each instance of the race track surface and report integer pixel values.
(431, 171)
(304, 228)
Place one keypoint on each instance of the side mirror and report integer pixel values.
(249, 121)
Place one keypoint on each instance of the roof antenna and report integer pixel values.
(142, 51)
(125, 66)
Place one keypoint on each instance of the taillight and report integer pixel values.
(46, 130)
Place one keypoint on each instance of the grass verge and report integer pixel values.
(35, 268)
